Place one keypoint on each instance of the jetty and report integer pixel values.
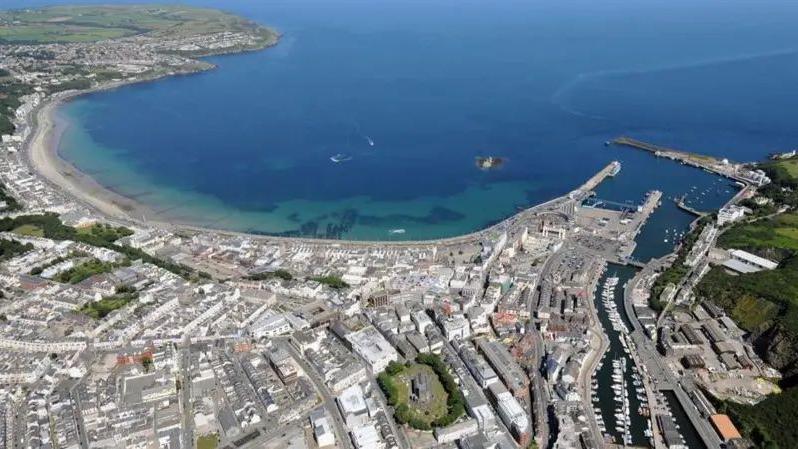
(609, 170)
(683, 206)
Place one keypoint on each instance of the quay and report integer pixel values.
(610, 170)
(707, 163)
(663, 378)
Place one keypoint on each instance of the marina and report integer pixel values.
(618, 397)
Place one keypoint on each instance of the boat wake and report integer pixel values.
(562, 98)
(340, 157)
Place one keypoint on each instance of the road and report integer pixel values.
(187, 434)
(460, 369)
(540, 397)
(540, 394)
(341, 435)
(78, 415)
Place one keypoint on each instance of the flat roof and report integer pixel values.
(740, 267)
(753, 258)
(725, 427)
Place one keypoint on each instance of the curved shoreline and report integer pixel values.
(41, 156)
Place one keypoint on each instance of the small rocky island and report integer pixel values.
(489, 162)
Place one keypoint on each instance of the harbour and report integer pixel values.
(412, 154)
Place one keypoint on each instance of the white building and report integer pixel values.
(422, 321)
(510, 411)
(322, 428)
(457, 431)
(745, 262)
(456, 326)
(730, 214)
(270, 326)
(369, 344)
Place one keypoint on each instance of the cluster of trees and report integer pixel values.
(332, 281)
(387, 383)
(10, 92)
(779, 286)
(264, 275)
(11, 248)
(146, 362)
(106, 237)
(770, 424)
(86, 270)
(105, 232)
(99, 309)
(783, 188)
(455, 402)
(12, 204)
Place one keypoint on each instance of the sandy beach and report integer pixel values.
(42, 156)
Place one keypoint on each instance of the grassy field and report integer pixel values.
(791, 166)
(445, 405)
(94, 23)
(787, 166)
(751, 312)
(29, 230)
(426, 412)
(767, 237)
(208, 441)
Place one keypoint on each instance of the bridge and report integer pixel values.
(635, 263)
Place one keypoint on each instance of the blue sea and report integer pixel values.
(433, 85)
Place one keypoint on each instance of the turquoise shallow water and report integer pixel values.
(433, 85)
